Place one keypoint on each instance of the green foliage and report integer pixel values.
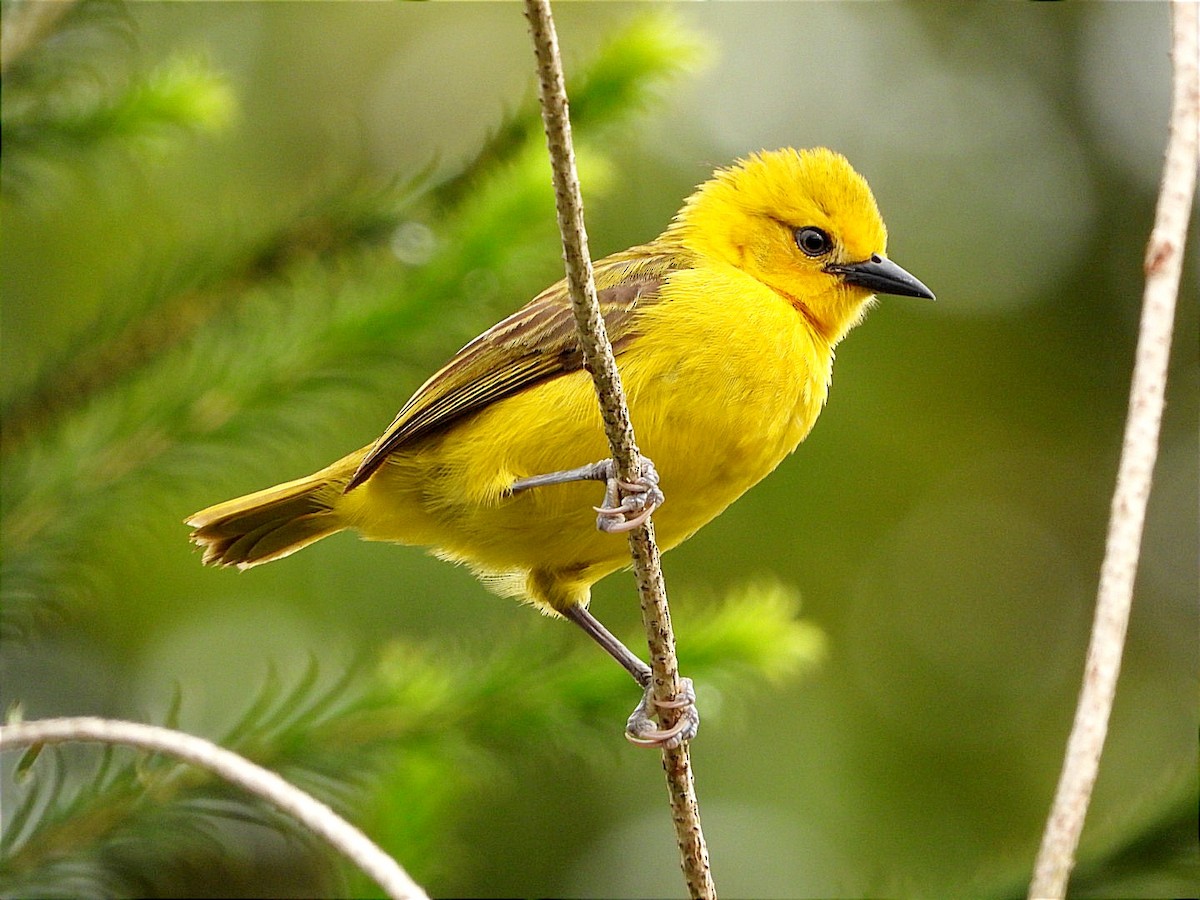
(759, 620)
(183, 93)
(399, 744)
(622, 79)
(250, 336)
(108, 420)
(67, 98)
(187, 317)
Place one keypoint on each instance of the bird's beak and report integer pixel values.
(881, 276)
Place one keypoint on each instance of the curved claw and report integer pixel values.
(611, 524)
(627, 505)
(642, 731)
(648, 484)
(682, 702)
(667, 738)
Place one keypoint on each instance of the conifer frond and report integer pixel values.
(631, 68)
(330, 327)
(43, 133)
(188, 286)
(143, 392)
(544, 696)
(418, 729)
(252, 336)
(70, 94)
(755, 626)
(111, 830)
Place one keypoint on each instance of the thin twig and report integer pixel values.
(310, 812)
(597, 351)
(1164, 262)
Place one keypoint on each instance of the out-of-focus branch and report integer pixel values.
(1164, 262)
(310, 812)
(25, 23)
(598, 354)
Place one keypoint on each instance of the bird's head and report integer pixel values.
(805, 224)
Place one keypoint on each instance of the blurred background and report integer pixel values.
(237, 236)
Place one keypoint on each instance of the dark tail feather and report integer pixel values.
(269, 524)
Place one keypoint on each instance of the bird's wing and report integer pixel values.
(533, 344)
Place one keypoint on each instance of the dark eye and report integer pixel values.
(813, 241)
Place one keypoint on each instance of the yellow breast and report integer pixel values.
(724, 378)
(732, 381)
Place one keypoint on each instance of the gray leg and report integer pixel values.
(626, 504)
(641, 729)
(606, 639)
(597, 471)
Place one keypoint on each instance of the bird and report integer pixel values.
(723, 329)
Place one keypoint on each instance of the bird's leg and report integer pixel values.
(610, 642)
(641, 729)
(627, 504)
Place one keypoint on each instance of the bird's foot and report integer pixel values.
(627, 504)
(643, 731)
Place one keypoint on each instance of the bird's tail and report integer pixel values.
(270, 524)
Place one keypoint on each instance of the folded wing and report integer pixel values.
(533, 344)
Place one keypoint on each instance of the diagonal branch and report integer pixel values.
(1164, 262)
(593, 339)
(25, 24)
(263, 783)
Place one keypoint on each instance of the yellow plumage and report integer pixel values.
(723, 327)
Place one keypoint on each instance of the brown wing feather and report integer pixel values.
(535, 343)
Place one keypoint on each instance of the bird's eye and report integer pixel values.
(813, 241)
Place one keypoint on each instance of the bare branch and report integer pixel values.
(1164, 262)
(597, 351)
(310, 812)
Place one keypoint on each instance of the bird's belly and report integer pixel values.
(721, 442)
(711, 438)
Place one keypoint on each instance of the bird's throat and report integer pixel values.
(819, 328)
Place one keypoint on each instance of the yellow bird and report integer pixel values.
(724, 330)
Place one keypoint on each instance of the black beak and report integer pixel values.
(881, 276)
